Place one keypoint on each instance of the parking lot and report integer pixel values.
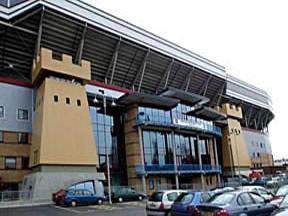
(124, 209)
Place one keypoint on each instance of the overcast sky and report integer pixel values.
(249, 38)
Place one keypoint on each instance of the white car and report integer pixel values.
(160, 202)
(259, 190)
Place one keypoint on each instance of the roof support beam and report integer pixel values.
(26, 16)
(218, 96)
(168, 72)
(165, 75)
(140, 71)
(250, 115)
(18, 28)
(40, 29)
(143, 71)
(113, 62)
(204, 87)
(185, 85)
(79, 53)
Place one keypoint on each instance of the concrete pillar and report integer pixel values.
(174, 159)
(216, 159)
(200, 163)
(142, 159)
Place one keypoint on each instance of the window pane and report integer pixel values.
(10, 163)
(2, 112)
(22, 114)
(23, 138)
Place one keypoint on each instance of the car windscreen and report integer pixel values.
(282, 191)
(222, 199)
(184, 198)
(156, 197)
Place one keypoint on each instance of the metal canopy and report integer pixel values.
(185, 97)
(147, 99)
(208, 113)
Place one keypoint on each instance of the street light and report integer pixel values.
(105, 141)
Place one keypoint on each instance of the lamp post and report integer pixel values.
(105, 141)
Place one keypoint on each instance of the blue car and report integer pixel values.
(185, 204)
(81, 197)
(237, 203)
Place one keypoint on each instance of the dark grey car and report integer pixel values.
(237, 203)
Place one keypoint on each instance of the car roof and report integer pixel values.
(169, 191)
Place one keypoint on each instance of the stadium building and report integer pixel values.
(82, 90)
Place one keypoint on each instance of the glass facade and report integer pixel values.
(108, 136)
(177, 116)
(186, 149)
(157, 148)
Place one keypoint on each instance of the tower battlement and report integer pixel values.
(45, 65)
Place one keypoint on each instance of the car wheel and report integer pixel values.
(73, 203)
(100, 202)
(140, 198)
(120, 199)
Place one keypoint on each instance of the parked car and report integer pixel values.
(259, 190)
(159, 203)
(126, 194)
(185, 204)
(283, 208)
(280, 194)
(261, 181)
(222, 190)
(77, 197)
(237, 203)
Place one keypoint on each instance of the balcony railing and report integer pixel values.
(171, 168)
(176, 123)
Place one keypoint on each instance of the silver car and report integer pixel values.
(259, 190)
(160, 202)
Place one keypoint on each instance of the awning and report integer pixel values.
(208, 113)
(147, 99)
(186, 97)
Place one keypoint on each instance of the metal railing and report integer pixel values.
(195, 125)
(170, 169)
(8, 196)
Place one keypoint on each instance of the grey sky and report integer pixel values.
(249, 38)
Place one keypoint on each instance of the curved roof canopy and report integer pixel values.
(120, 53)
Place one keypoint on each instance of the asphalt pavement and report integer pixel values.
(123, 209)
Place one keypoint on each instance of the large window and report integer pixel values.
(10, 162)
(186, 149)
(104, 137)
(2, 112)
(157, 148)
(22, 138)
(154, 115)
(22, 114)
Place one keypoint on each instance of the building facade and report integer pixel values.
(84, 93)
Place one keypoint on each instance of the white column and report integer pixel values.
(200, 162)
(174, 159)
(216, 159)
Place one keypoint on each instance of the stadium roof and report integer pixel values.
(120, 53)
